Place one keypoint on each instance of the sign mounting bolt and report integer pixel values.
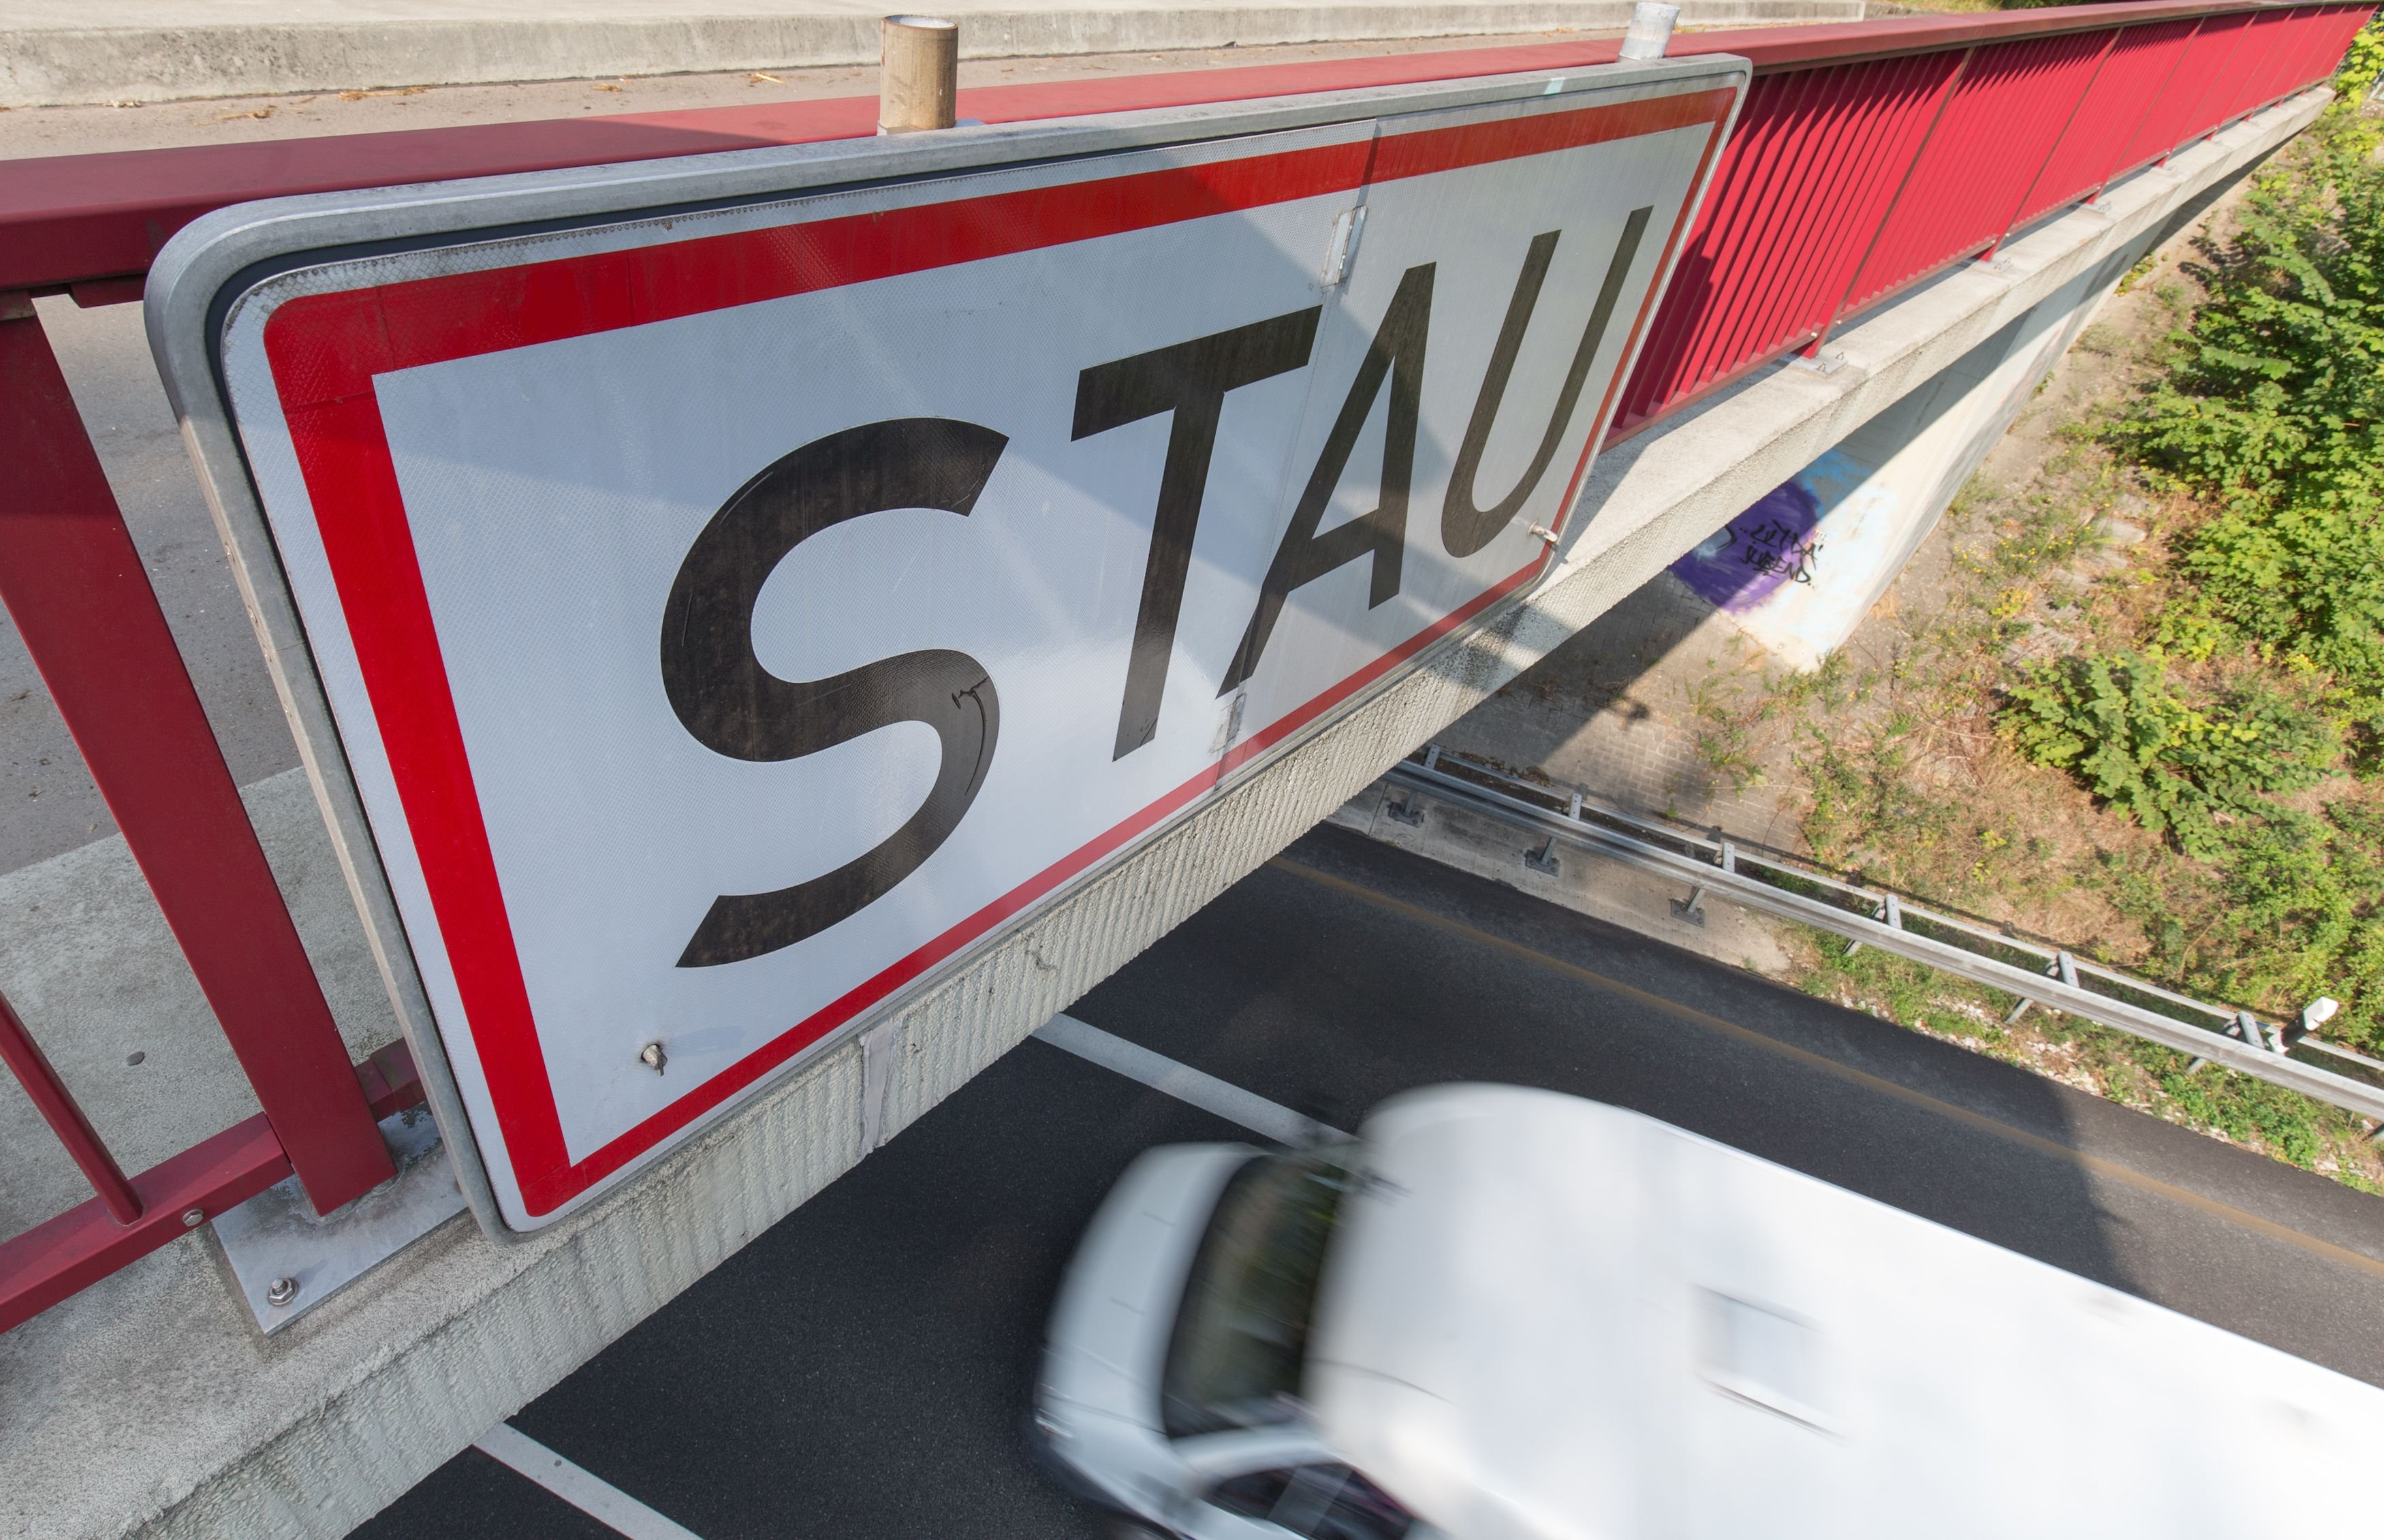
(280, 1292)
(653, 1057)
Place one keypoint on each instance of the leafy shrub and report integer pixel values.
(2361, 63)
(2119, 726)
(2273, 409)
(2300, 913)
(2307, 581)
(2276, 392)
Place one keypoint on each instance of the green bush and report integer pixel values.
(2274, 394)
(2361, 63)
(2300, 918)
(2273, 410)
(2121, 728)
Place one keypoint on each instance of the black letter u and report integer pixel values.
(1465, 528)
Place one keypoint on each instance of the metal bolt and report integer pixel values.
(280, 1291)
(193, 1218)
(653, 1057)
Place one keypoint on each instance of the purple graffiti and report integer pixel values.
(1755, 554)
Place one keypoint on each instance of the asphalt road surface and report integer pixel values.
(863, 1369)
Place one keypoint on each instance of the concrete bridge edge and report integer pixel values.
(58, 65)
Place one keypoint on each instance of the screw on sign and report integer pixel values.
(731, 619)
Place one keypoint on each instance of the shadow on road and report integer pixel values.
(1296, 989)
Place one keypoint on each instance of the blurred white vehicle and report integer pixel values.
(1505, 1314)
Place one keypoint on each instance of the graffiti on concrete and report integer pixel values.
(1780, 549)
(1763, 550)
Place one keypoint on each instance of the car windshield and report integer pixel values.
(1242, 1333)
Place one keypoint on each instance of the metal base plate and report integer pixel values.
(276, 1238)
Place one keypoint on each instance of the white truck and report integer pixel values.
(1508, 1313)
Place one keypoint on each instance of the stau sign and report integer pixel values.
(742, 585)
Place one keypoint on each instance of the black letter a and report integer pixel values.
(1304, 555)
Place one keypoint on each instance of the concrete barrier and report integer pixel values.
(170, 50)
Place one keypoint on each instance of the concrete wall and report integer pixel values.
(1798, 569)
(210, 1429)
(61, 51)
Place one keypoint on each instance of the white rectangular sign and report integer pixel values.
(732, 615)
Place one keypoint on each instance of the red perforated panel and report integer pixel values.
(2003, 118)
(1816, 159)
(2139, 62)
(2175, 114)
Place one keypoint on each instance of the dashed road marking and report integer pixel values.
(1182, 1082)
(591, 1495)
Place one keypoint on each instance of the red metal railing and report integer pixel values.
(1848, 182)
(1868, 157)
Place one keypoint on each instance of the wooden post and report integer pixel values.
(918, 78)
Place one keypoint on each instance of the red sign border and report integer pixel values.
(325, 349)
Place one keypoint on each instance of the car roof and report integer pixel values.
(1543, 1317)
(1469, 1310)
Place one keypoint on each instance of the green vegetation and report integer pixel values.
(2141, 706)
(2264, 424)
(2271, 414)
(2109, 1064)
(2118, 724)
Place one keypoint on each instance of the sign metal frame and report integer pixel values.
(200, 279)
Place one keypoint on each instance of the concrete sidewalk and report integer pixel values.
(62, 52)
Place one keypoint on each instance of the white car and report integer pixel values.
(1510, 1313)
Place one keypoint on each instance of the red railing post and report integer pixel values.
(74, 584)
(57, 1105)
(1844, 304)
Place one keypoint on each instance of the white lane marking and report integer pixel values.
(1182, 1082)
(600, 1499)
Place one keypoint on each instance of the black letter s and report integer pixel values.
(734, 706)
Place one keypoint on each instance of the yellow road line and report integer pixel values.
(2053, 1148)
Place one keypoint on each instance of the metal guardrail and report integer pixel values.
(1774, 883)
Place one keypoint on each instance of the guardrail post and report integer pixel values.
(1890, 915)
(2063, 967)
(74, 584)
